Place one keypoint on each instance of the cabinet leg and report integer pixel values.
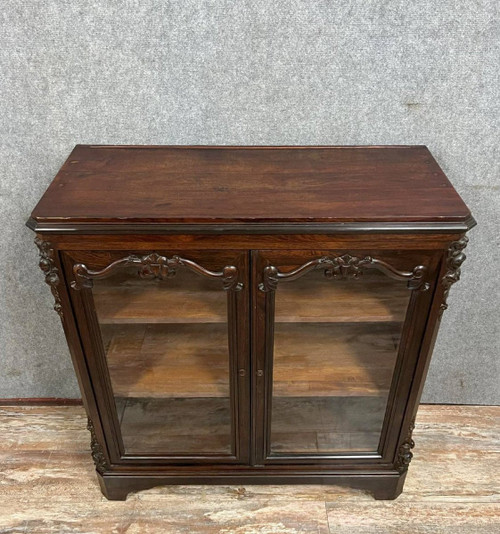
(389, 490)
(111, 490)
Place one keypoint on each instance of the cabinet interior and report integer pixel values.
(169, 338)
(166, 343)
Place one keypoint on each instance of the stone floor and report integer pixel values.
(47, 484)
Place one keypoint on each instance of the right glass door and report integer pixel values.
(332, 350)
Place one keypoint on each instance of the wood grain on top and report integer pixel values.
(250, 184)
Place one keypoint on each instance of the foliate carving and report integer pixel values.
(404, 452)
(48, 266)
(100, 462)
(154, 266)
(344, 267)
(454, 261)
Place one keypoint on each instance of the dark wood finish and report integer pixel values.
(256, 220)
(154, 266)
(105, 184)
(342, 267)
(382, 486)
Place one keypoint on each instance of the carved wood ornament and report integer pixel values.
(48, 266)
(343, 267)
(155, 266)
(404, 452)
(454, 261)
(100, 462)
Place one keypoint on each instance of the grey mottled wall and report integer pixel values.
(242, 72)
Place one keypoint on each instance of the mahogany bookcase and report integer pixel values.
(250, 315)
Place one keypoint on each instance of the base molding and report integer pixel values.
(116, 487)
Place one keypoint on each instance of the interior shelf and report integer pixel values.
(182, 426)
(129, 299)
(321, 359)
(309, 299)
(318, 425)
(326, 425)
(183, 360)
(313, 299)
(312, 359)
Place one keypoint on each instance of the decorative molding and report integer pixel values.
(48, 266)
(454, 261)
(100, 462)
(404, 452)
(154, 266)
(344, 267)
(73, 227)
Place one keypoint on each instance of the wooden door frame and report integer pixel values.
(81, 266)
(414, 328)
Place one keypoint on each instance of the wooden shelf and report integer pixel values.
(196, 300)
(183, 360)
(312, 359)
(183, 426)
(299, 425)
(326, 424)
(321, 359)
(374, 298)
(184, 298)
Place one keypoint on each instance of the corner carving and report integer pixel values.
(154, 266)
(344, 267)
(100, 462)
(48, 266)
(454, 261)
(404, 452)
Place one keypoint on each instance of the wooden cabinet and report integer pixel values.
(243, 315)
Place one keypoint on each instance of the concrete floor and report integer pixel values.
(47, 484)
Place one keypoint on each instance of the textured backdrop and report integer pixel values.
(261, 72)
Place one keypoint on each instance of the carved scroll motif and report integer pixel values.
(454, 261)
(48, 266)
(343, 267)
(100, 462)
(154, 266)
(404, 452)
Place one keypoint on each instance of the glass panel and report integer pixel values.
(335, 348)
(166, 344)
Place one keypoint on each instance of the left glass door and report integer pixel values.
(164, 340)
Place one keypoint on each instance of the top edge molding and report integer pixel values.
(251, 228)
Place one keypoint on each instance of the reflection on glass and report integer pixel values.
(166, 345)
(335, 348)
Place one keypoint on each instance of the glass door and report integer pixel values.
(334, 330)
(165, 341)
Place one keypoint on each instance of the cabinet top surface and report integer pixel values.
(205, 185)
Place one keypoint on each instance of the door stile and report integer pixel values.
(83, 304)
(408, 355)
(239, 356)
(262, 336)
